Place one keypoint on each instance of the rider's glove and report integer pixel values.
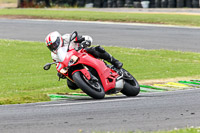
(86, 43)
(80, 39)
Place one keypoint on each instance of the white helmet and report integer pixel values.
(54, 41)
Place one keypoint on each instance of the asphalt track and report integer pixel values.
(146, 112)
(115, 34)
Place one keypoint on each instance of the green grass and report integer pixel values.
(173, 19)
(185, 130)
(8, 1)
(22, 76)
(23, 80)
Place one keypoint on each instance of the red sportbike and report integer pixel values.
(94, 76)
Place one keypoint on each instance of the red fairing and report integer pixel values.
(107, 75)
(63, 64)
(84, 72)
(59, 66)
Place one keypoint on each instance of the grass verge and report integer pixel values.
(185, 130)
(158, 18)
(23, 80)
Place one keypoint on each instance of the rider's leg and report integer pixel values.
(99, 52)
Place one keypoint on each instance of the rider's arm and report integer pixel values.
(84, 41)
(80, 39)
(88, 38)
(79, 42)
(54, 57)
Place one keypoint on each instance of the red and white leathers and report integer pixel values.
(58, 45)
(60, 53)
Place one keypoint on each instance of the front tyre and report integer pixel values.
(71, 85)
(93, 89)
(131, 86)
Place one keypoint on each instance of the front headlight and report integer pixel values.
(64, 70)
(73, 60)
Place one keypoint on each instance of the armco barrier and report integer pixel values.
(121, 3)
(137, 3)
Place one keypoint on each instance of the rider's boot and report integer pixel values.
(115, 62)
(106, 56)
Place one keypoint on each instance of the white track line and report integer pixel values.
(117, 100)
(92, 102)
(110, 23)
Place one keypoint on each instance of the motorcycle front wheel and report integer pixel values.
(131, 87)
(71, 85)
(91, 88)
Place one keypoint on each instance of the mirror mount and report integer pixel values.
(48, 65)
(72, 37)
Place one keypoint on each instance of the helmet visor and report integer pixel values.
(54, 46)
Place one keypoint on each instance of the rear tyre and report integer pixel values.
(93, 89)
(131, 87)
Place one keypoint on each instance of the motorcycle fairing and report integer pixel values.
(85, 72)
(107, 75)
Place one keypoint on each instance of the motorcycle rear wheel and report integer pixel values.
(131, 87)
(88, 88)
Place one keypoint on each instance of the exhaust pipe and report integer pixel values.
(119, 85)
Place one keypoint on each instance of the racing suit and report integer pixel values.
(84, 41)
(81, 42)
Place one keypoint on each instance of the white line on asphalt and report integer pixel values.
(111, 23)
(125, 99)
(142, 96)
(92, 102)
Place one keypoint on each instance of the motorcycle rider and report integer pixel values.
(55, 41)
(58, 45)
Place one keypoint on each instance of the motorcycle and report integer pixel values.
(94, 76)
